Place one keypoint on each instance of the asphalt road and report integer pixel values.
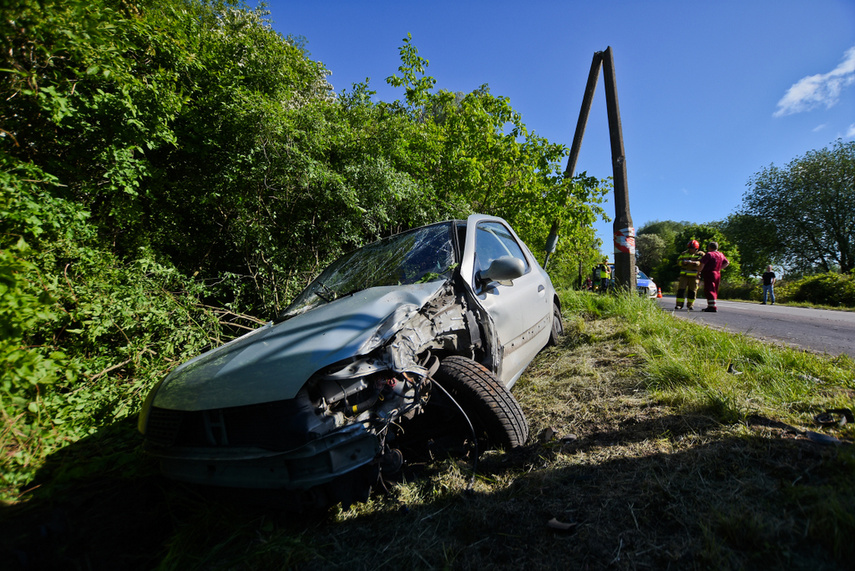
(820, 330)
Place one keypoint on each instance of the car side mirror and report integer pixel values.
(502, 270)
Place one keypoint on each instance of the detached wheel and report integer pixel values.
(495, 414)
(557, 325)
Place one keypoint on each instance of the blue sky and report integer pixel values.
(710, 93)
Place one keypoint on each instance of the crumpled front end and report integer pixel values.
(334, 425)
(338, 422)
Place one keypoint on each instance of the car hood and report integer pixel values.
(273, 362)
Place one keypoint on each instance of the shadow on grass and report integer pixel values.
(95, 504)
(755, 500)
(740, 502)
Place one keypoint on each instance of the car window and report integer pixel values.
(418, 256)
(493, 240)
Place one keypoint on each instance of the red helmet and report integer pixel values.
(693, 244)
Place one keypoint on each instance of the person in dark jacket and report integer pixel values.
(769, 279)
(712, 264)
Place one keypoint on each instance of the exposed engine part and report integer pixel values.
(373, 395)
(391, 461)
(332, 391)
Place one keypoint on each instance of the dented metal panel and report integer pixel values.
(273, 362)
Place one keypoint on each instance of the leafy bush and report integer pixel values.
(748, 290)
(83, 353)
(836, 290)
(83, 333)
(830, 289)
(23, 366)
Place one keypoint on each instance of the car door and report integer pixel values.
(520, 310)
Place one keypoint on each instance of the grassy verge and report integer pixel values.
(647, 446)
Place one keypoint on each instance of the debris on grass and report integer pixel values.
(560, 525)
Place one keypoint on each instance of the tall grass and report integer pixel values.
(731, 375)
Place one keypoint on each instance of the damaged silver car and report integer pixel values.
(420, 335)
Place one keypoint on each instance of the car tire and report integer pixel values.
(495, 414)
(557, 325)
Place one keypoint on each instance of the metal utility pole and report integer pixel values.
(624, 233)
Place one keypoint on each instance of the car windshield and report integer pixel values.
(417, 256)
(641, 275)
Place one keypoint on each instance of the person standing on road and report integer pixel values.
(689, 262)
(769, 285)
(712, 263)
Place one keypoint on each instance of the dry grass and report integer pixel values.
(644, 478)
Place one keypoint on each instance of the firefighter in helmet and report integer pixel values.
(687, 287)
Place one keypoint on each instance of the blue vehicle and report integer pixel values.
(645, 286)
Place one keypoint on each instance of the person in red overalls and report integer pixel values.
(712, 264)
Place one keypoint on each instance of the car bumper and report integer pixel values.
(315, 463)
(647, 291)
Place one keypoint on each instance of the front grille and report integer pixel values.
(276, 425)
(163, 426)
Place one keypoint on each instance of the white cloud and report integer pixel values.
(819, 128)
(850, 134)
(819, 90)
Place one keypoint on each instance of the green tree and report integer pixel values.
(665, 229)
(650, 249)
(413, 78)
(810, 206)
(480, 157)
(757, 241)
(655, 242)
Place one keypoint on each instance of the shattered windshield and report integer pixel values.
(418, 256)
